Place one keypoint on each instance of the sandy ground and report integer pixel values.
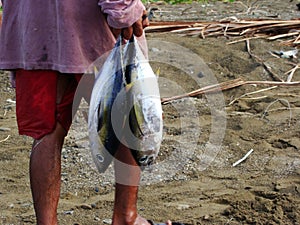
(194, 180)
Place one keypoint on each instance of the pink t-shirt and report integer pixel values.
(62, 35)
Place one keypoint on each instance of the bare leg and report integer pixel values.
(127, 175)
(127, 180)
(45, 171)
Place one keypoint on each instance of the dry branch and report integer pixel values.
(225, 86)
(5, 139)
(273, 29)
(291, 73)
(247, 29)
(259, 60)
(208, 89)
(242, 159)
(251, 93)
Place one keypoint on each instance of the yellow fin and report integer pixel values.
(157, 73)
(95, 70)
(128, 86)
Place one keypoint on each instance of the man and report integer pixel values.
(49, 44)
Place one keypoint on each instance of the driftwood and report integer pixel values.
(246, 29)
(227, 85)
(270, 29)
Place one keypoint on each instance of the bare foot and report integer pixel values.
(142, 221)
(138, 221)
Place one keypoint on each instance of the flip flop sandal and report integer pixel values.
(173, 223)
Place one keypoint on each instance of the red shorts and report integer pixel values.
(38, 106)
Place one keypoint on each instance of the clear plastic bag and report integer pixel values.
(125, 108)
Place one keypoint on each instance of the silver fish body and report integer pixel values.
(142, 130)
(125, 108)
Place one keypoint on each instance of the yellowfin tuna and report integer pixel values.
(125, 108)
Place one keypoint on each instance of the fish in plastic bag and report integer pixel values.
(125, 108)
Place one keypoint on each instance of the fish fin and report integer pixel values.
(157, 73)
(128, 86)
(95, 70)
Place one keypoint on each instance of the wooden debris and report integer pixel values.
(291, 72)
(5, 139)
(232, 27)
(227, 85)
(259, 60)
(270, 29)
(242, 159)
(208, 89)
(251, 93)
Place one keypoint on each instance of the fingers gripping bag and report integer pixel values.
(125, 108)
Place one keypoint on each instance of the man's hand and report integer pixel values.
(136, 29)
